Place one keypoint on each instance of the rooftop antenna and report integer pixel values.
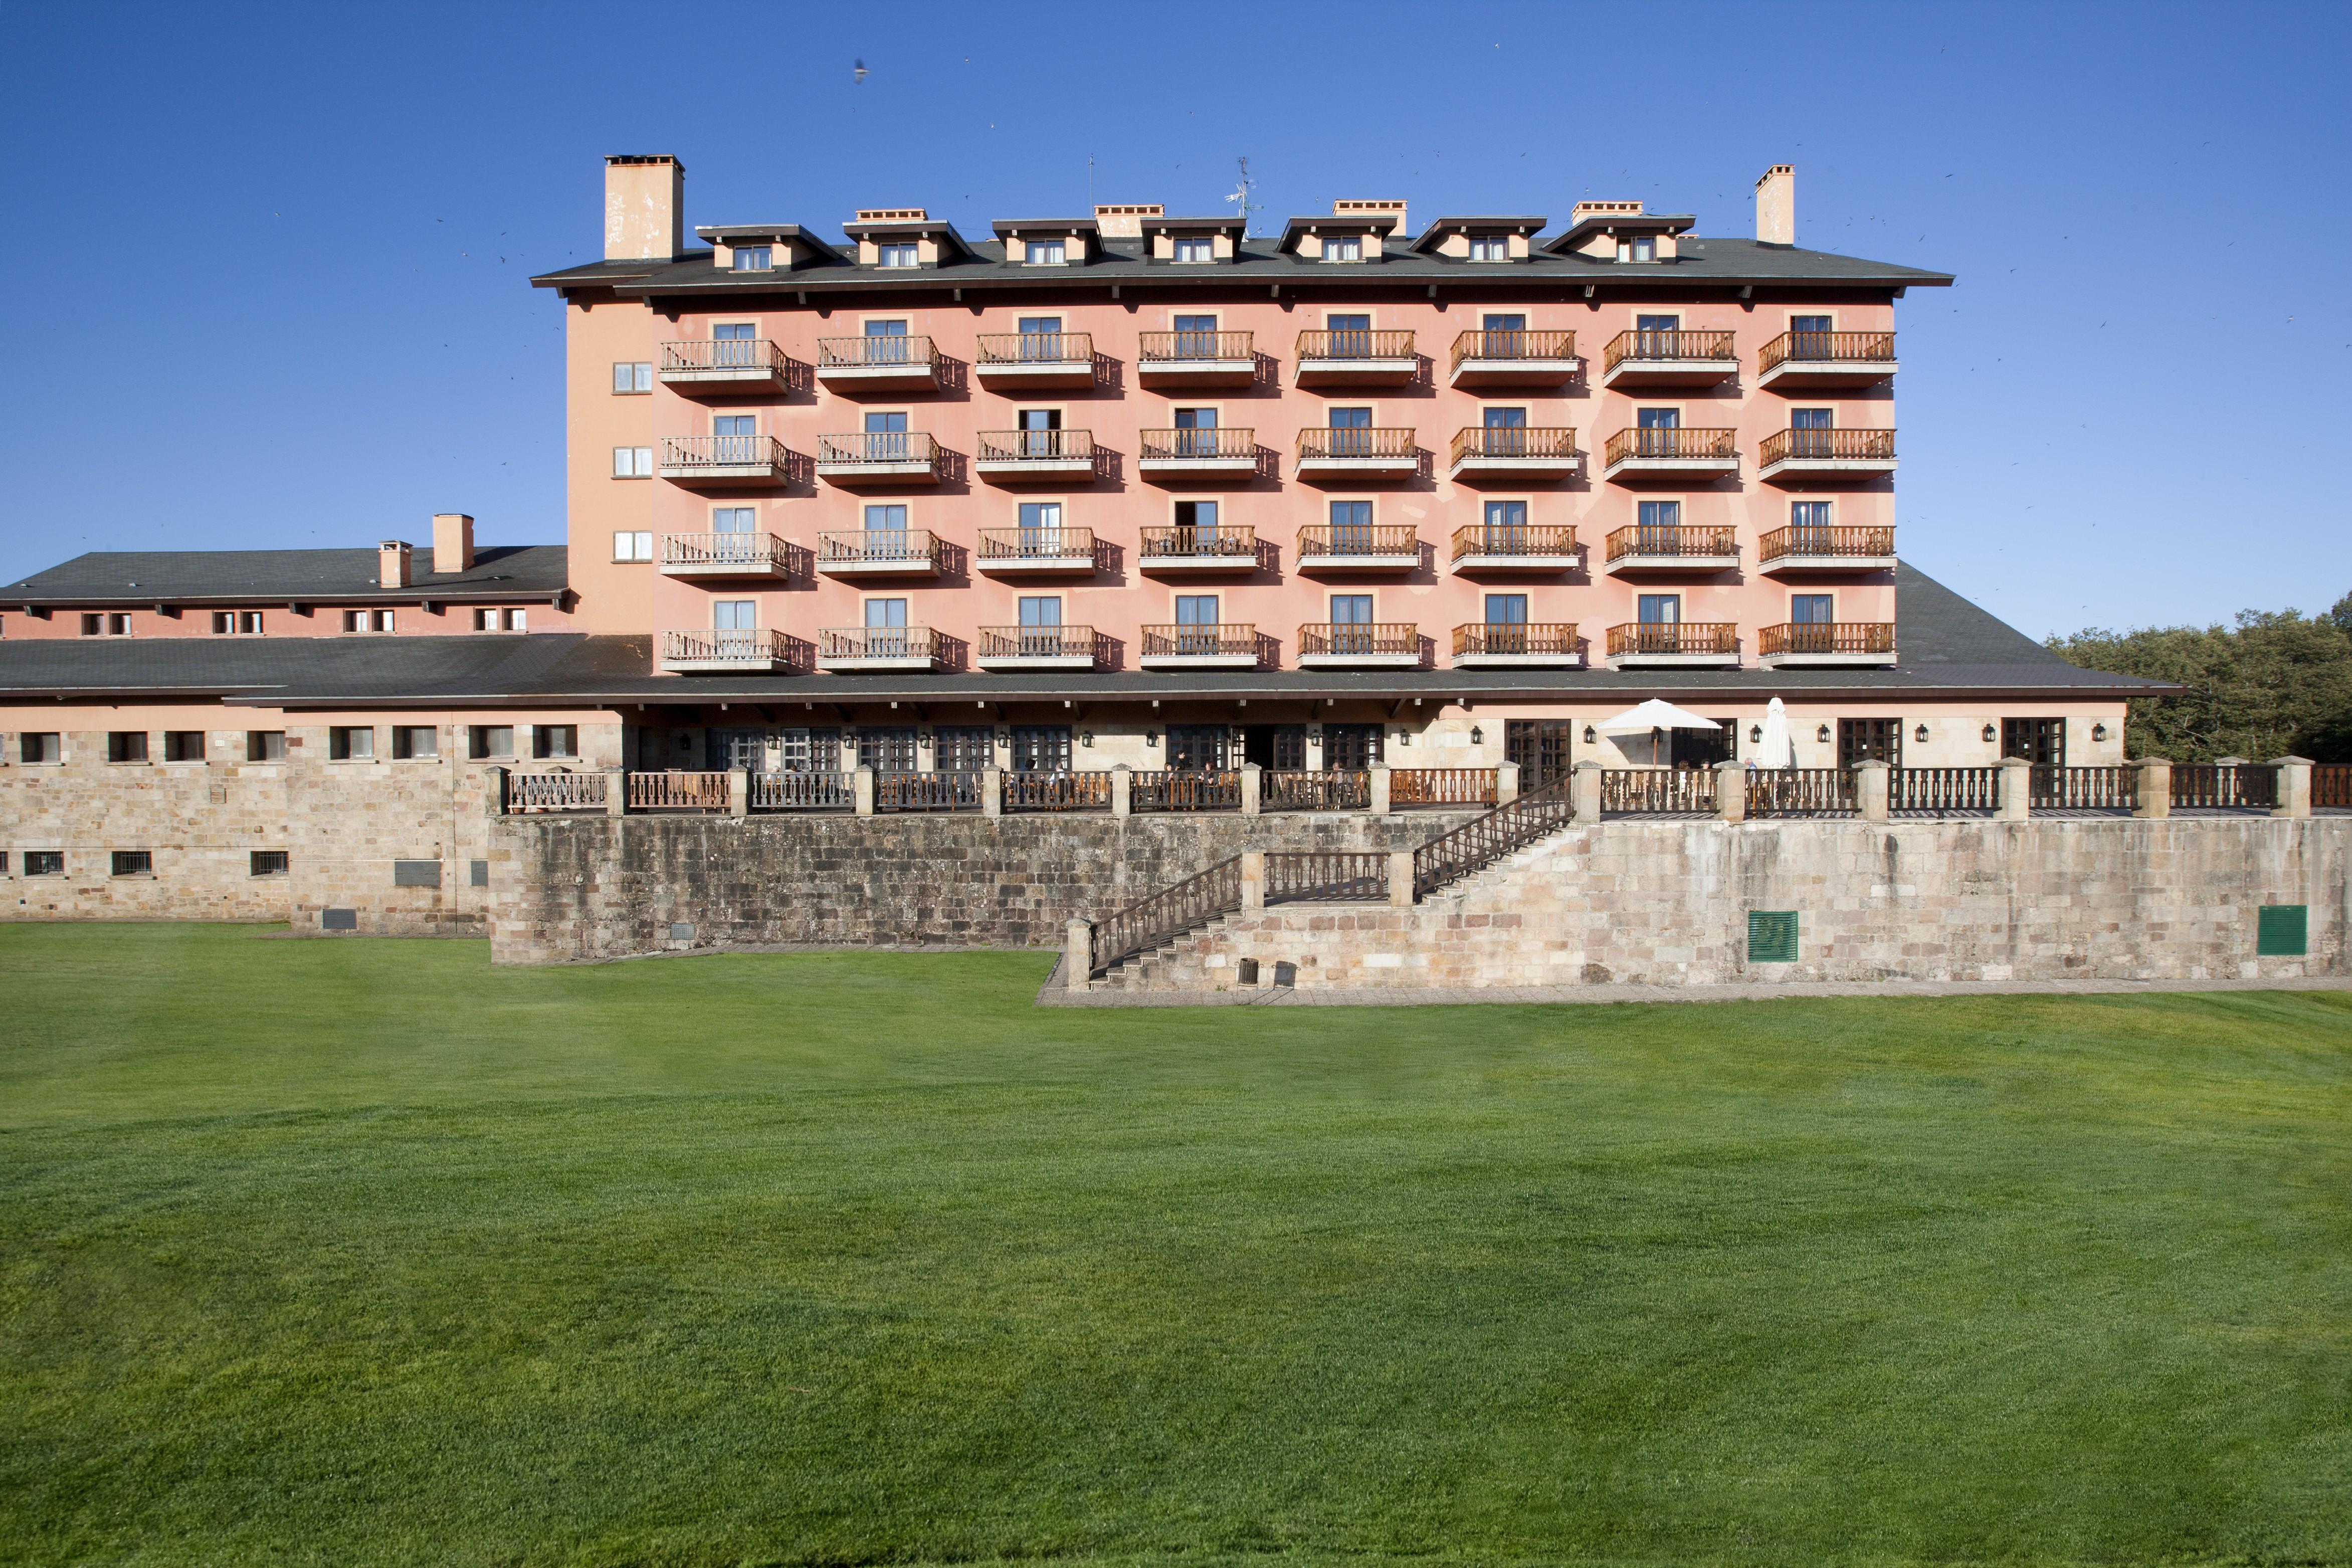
(1240, 197)
(1090, 181)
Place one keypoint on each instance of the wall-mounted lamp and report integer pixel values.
(1755, 732)
(1991, 734)
(924, 739)
(1920, 734)
(1478, 736)
(1588, 736)
(1823, 736)
(1004, 737)
(1088, 739)
(1151, 737)
(1405, 738)
(2098, 731)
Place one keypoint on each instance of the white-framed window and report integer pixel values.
(1044, 253)
(896, 253)
(1489, 247)
(633, 376)
(106, 626)
(633, 462)
(236, 622)
(636, 544)
(367, 620)
(1343, 247)
(753, 258)
(487, 620)
(1195, 248)
(1638, 248)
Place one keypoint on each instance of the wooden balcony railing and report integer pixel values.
(678, 792)
(1674, 638)
(722, 452)
(1547, 538)
(1553, 441)
(1828, 348)
(1654, 345)
(1800, 792)
(1687, 446)
(1847, 445)
(1514, 639)
(1226, 542)
(2331, 787)
(2224, 786)
(1298, 789)
(555, 792)
(1545, 344)
(1227, 639)
(2083, 789)
(1235, 441)
(1036, 348)
(1170, 912)
(747, 645)
(723, 353)
(1087, 791)
(908, 448)
(878, 642)
(1355, 343)
(1317, 442)
(879, 546)
(1037, 642)
(1483, 840)
(1839, 636)
(871, 354)
(1441, 787)
(1359, 640)
(1037, 445)
(1668, 540)
(746, 551)
(804, 792)
(1825, 542)
(1186, 789)
(1178, 348)
(1333, 876)
(943, 791)
(1657, 792)
(1371, 538)
(1944, 792)
(1072, 544)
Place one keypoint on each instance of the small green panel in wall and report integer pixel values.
(2281, 931)
(1773, 936)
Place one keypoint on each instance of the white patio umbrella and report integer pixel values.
(1654, 715)
(1777, 748)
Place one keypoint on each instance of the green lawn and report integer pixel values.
(364, 1252)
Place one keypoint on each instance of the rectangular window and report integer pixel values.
(1343, 247)
(1044, 253)
(224, 623)
(1657, 324)
(1507, 527)
(485, 620)
(1351, 337)
(633, 376)
(753, 258)
(490, 743)
(350, 743)
(416, 741)
(1041, 749)
(417, 873)
(1196, 609)
(1638, 248)
(1193, 248)
(106, 626)
(45, 862)
(633, 462)
(555, 740)
(1809, 516)
(1351, 748)
(734, 614)
(267, 863)
(1658, 418)
(1489, 247)
(1196, 746)
(367, 620)
(1659, 609)
(515, 621)
(1196, 521)
(37, 749)
(1196, 336)
(632, 545)
(134, 863)
(1507, 609)
(183, 745)
(1351, 609)
(1812, 609)
(887, 751)
(1870, 740)
(2041, 741)
(1813, 419)
(265, 745)
(886, 613)
(1351, 528)
(1041, 528)
(894, 254)
(1041, 611)
(126, 746)
(1658, 516)
(1809, 337)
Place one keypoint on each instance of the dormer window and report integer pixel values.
(894, 254)
(1640, 247)
(1489, 247)
(1045, 252)
(1343, 247)
(1203, 250)
(753, 258)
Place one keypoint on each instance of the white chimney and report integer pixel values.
(1125, 220)
(645, 207)
(453, 543)
(392, 569)
(1390, 212)
(1776, 206)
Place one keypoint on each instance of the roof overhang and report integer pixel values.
(1440, 227)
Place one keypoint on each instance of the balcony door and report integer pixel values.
(1810, 436)
(1196, 432)
(886, 343)
(1041, 528)
(886, 532)
(734, 627)
(1041, 749)
(1870, 740)
(886, 437)
(1505, 336)
(1351, 336)
(1654, 337)
(1196, 527)
(1506, 623)
(1507, 528)
(887, 751)
(885, 629)
(1811, 621)
(1658, 526)
(1196, 337)
(1506, 432)
(1041, 337)
(962, 748)
(1809, 527)
(734, 527)
(1196, 624)
(1277, 746)
(1541, 748)
(1196, 747)
(1351, 748)
(1351, 432)
(1351, 529)
(731, 343)
(2041, 741)
(808, 750)
(1040, 625)
(1041, 432)
(735, 436)
(1809, 337)
(1351, 623)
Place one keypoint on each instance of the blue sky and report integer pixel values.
(264, 278)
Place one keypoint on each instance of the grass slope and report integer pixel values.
(363, 1252)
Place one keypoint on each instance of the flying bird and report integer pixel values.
(857, 71)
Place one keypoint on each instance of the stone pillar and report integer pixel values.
(1379, 790)
(1122, 792)
(1401, 878)
(1253, 789)
(616, 792)
(1584, 789)
(992, 792)
(1253, 878)
(1506, 783)
(2293, 787)
(2155, 787)
(494, 791)
(2016, 789)
(1731, 790)
(739, 791)
(1078, 952)
(1870, 782)
(861, 790)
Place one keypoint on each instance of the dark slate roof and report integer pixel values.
(321, 669)
(252, 577)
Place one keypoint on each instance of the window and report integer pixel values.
(1044, 253)
(1638, 248)
(963, 748)
(350, 743)
(1343, 247)
(1657, 418)
(1541, 748)
(1196, 336)
(1646, 324)
(1812, 609)
(1809, 337)
(1507, 609)
(1041, 749)
(886, 437)
(501, 620)
(1351, 609)
(1507, 528)
(1195, 249)
(106, 626)
(887, 751)
(886, 532)
(490, 743)
(134, 863)
(45, 862)
(1351, 748)
(1194, 746)
(1351, 430)
(39, 749)
(1870, 740)
(126, 746)
(1351, 528)
(2041, 741)
(236, 622)
(1657, 520)
(886, 613)
(1505, 432)
(1351, 337)
(633, 376)
(1196, 527)
(1813, 419)
(267, 863)
(633, 462)
(1196, 609)
(555, 740)
(1041, 338)
(735, 438)
(753, 258)
(1043, 611)
(183, 745)
(1041, 528)
(265, 745)
(1810, 522)
(899, 253)
(415, 742)
(1489, 247)
(632, 545)
(1659, 609)
(734, 614)
(367, 620)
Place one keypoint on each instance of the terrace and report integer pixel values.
(881, 363)
(1672, 455)
(1195, 361)
(1826, 455)
(725, 365)
(1646, 359)
(1036, 455)
(1017, 361)
(878, 456)
(1811, 362)
(1542, 452)
(1356, 357)
(1520, 358)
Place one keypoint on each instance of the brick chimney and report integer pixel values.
(392, 568)
(645, 207)
(453, 543)
(1776, 206)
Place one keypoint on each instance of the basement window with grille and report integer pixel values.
(1771, 936)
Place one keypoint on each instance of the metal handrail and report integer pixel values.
(1673, 636)
(1327, 875)
(1036, 348)
(1828, 348)
(1514, 638)
(1826, 540)
(1819, 445)
(1667, 540)
(871, 354)
(2331, 787)
(1179, 348)
(1036, 544)
(1513, 343)
(1222, 441)
(1506, 441)
(1223, 639)
(1836, 636)
(1667, 345)
(1483, 840)
(1149, 924)
(2224, 786)
(1037, 445)
(1353, 343)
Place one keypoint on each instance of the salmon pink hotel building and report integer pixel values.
(1124, 487)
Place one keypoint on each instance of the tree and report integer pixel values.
(2275, 684)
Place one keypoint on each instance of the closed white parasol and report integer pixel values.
(1777, 748)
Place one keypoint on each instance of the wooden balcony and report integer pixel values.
(1514, 358)
(728, 365)
(725, 555)
(729, 460)
(1018, 361)
(1673, 457)
(1037, 648)
(1011, 455)
(1543, 452)
(879, 552)
(1792, 454)
(1811, 548)
(878, 457)
(1393, 645)
(1349, 358)
(1219, 454)
(748, 652)
(1226, 646)
(1809, 362)
(1508, 646)
(1668, 359)
(1535, 547)
(1196, 552)
(1674, 547)
(855, 365)
(877, 648)
(1840, 645)
(1638, 645)
(1369, 547)
(1037, 551)
(1383, 454)
(1179, 361)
